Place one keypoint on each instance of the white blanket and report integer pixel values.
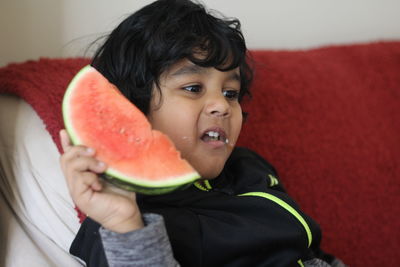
(37, 217)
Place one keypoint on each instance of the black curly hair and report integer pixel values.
(151, 40)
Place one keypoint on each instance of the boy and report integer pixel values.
(187, 70)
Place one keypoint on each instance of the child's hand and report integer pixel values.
(115, 212)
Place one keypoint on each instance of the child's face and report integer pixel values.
(196, 104)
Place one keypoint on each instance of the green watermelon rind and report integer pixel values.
(143, 190)
(167, 182)
(136, 184)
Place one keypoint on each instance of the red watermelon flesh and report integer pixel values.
(97, 115)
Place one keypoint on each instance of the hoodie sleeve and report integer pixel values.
(148, 246)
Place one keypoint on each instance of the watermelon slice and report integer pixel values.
(139, 159)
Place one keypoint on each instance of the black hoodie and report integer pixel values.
(241, 218)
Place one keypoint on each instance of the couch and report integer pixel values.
(327, 118)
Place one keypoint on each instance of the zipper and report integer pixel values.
(205, 185)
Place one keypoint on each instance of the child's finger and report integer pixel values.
(65, 141)
(84, 187)
(76, 169)
(75, 153)
(83, 163)
(83, 173)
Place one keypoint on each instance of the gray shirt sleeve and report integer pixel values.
(148, 246)
(316, 263)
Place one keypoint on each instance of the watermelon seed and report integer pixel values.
(122, 130)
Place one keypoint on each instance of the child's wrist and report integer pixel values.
(127, 225)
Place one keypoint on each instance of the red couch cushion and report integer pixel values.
(329, 120)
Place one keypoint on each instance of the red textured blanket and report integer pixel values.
(42, 84)
(328, 119)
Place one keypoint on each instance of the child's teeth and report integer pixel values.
(212, 134)
(216, 136)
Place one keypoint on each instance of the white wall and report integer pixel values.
(58, 28)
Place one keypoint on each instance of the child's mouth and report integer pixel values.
(214, 136)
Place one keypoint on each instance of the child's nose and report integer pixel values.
(218, 106)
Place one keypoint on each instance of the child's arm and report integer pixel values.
(148, 246)
(113, 211)
(127, 237)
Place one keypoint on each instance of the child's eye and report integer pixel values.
(231, 94)
(193, 88)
